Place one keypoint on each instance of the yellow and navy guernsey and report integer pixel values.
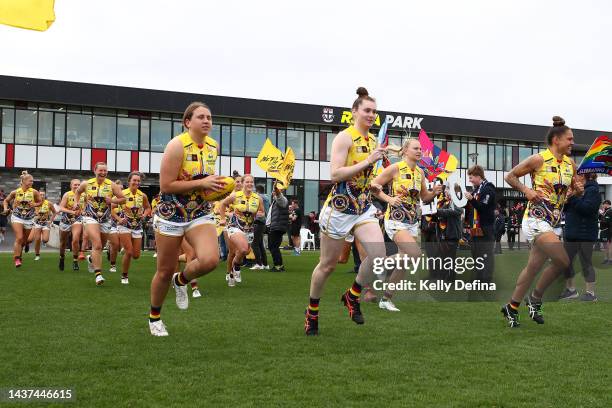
(553, 179)
(71, 218)
(22, 204)
(245, 209)
(353, 196)
(133, 209)
(95, 200)
(43, 213)
(198, 162)
(407, 186)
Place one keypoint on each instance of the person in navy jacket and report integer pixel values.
(580, 234)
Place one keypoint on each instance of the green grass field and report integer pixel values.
(245, 346)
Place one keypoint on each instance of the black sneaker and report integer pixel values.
(353, 307)
(535, 310)
(27, 248)
(311, 324)
(280, 268)
(75, 265)
(511, 315)
(61, 263)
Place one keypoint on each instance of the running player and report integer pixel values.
(100, 193)
(129, 222)
(114, 245)
(552, 174)
(186, 171)
(45, 214)
(24, 202)
(408, 187)
(349, 210)
(247, 206)
(71, 221)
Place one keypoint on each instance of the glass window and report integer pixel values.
(524, 152)
(499, 157)
(177, 128)
(26, 124)
(226, 132)
(215, 133)
(454, 148)
(481, 150)
(59, 130)
(237, 140)
(295, 140)
(464, 155)
(161, 133)
(316, 146)
(281, 140)
(508, 161)
(127, 134)
(271, 134)
(45, 128)
(309, 154)
(255, 139)
(8, 125)
(311, 196)
(330, 140)
(78, 130)
(145, 126)
(104, 132)
(491, 156)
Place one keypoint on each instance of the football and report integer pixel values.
(210, 195)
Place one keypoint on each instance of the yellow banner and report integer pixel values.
(277, 165)
(31, 14)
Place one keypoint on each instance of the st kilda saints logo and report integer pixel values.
(328, 115)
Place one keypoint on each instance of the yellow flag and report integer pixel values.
(31, 14)
(287, 168)
(270, 159)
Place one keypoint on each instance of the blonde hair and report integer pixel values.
(401, 150)
(24, 175)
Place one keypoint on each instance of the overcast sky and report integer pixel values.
(515, 61)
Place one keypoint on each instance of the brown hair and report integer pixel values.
(363, 96)
(476, 171)
(558, 129)
(135, 173)
(188, 114)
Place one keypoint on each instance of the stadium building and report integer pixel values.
(57, 130)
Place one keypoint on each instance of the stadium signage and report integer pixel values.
(393, 121)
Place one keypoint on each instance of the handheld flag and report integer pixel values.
(598, 159)
(435, 162)
(30, 14)
(382, 141)
(279, 166)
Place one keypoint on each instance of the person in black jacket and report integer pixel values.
(449, 232)
(605, 233)
(278, 221)
(482, 200)
(580, 234)
(499, 229)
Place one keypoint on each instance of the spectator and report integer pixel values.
(448, 229)
(499, 230)
(259, 228)
(313, 225)
(580, 233)
(512, 228)
(295, 218)
(277, 221)
(483, 218)
(605, 234)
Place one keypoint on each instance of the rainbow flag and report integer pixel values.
(435, 162)
(599, 157)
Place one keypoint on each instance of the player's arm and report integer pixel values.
(7, 200)
(260, 210)
(426, 195)
(227, 201)
(77, 195)
(525, 167)
(146, 206)
(384, 178)
(37, 199)
(118, 198)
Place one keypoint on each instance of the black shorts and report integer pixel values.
(294, 230)
(3, 221)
